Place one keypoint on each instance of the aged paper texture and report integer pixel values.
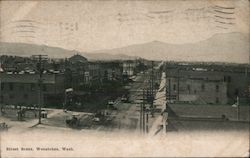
(124, 78)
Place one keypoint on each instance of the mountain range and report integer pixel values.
(26, 50)
(227, 47)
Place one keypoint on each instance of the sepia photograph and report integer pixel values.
(124, 78)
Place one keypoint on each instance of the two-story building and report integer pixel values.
(207, 84)
(24, 89)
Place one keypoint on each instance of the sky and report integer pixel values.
(95, 25)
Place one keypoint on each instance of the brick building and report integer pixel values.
(129, 67)
(207, 84)
(197, 90)
(23, 89)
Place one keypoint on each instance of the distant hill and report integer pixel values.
(228, 47)
(23, 49)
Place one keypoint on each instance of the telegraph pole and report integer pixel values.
(41, 59)
(238, 108)
(169, 89)
(1, 97)
(129, 69)
(141, 108)
(143, 112)
(178, 84)
(146, 121)
(152, 89)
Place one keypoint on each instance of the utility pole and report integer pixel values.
(169, 89)
(178, 84)
(129, 69)
(141, 108)
(152, 89)
(146, 121)
(143, 112)
(1, 97)
(41, 59)
(165, 112)
(238, 108)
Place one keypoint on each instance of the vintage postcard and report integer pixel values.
(124, 78)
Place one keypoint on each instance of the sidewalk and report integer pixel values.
(160, 103)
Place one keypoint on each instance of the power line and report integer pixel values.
(41, 59)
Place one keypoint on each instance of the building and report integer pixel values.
(197, 90)
(77, 58)
(203, 84)
(101, 71)
(23, 89)
(129, 68)
(93, 73)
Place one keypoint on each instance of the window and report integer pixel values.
(21, 87)
(2, 86)
(225, 78)
(25, 96)
(202, 87)
(236, 92)
(11, 86)
(44, 88)
(174, 87)
(217, 88)
(32, 86)
(11, 96)
(217, 100)
(188, 88)
(1, 99)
